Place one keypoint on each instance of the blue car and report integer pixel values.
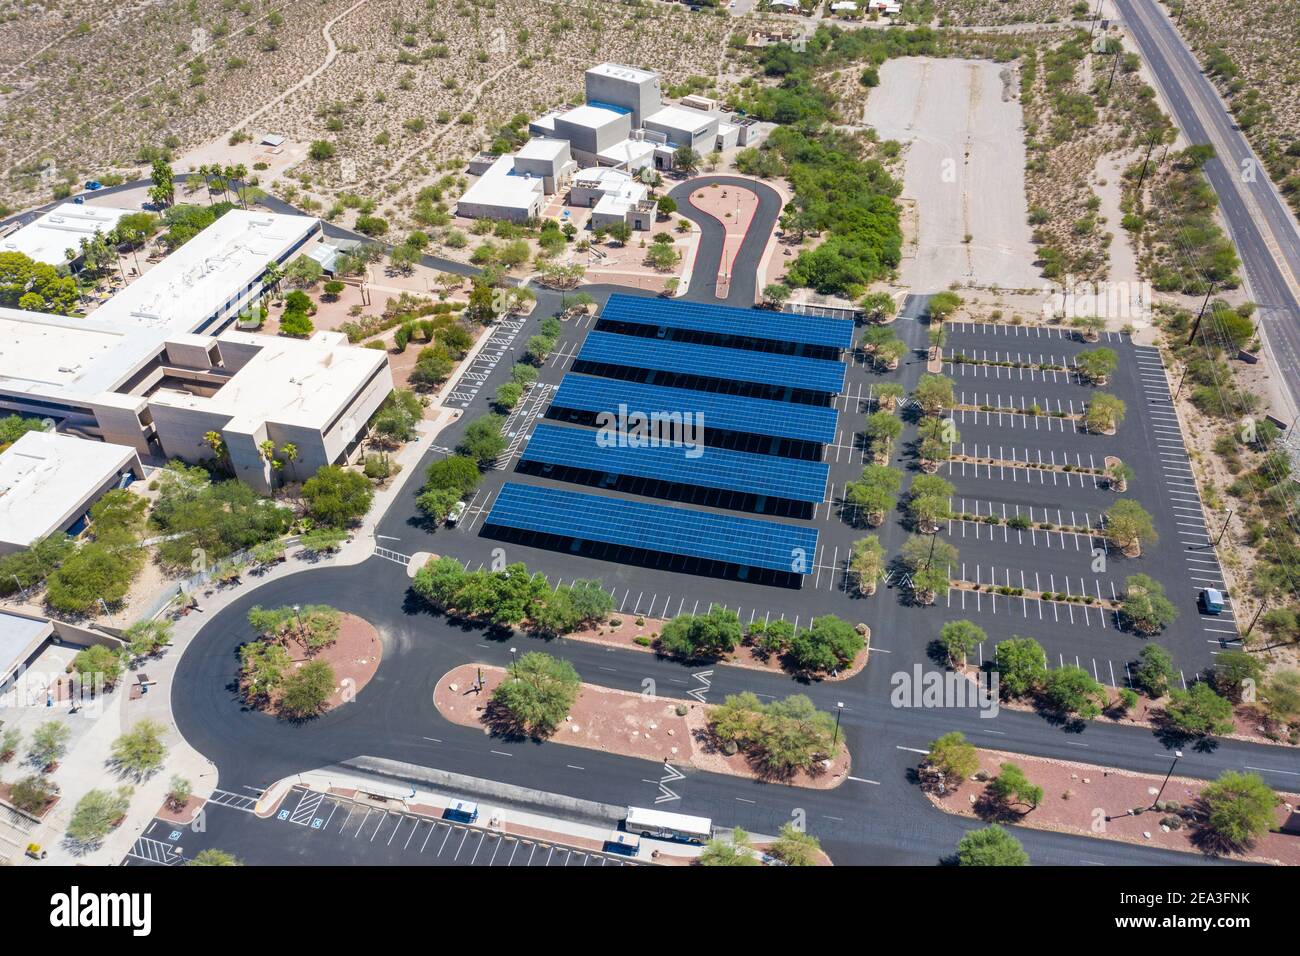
(1211, 601)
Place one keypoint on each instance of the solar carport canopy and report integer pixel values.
(729, 413)
(709, 361)
(698, 466)
(747, 542)
(727, 320)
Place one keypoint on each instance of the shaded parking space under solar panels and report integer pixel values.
(632, 532)
(676, 467)
(707, 324)
(730, 421)
(759, 374)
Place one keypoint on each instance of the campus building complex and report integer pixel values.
(624, 125)
(155, 368)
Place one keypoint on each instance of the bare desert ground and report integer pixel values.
(965, 170)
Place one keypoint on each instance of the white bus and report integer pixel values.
(668, 826)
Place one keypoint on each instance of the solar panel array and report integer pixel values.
(711, 361)
(740, 479)
(727, 320)
(732, 413)
(701, 467)
(747, 542)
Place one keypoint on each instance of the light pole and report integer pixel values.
(1177, 755)
(1224, 529)
(297, 609)
(839, 709)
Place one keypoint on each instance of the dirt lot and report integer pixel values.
(964, 170)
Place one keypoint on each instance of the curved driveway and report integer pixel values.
(708, 257)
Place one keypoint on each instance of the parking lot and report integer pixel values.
(315, 828)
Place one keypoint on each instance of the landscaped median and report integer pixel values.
(541, 697)
(1228, 817)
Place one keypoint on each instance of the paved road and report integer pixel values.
(1260, 223)
(708, 258)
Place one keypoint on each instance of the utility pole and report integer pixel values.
(1197, 324)
(1224, 529)
(1114, 66)
(1096, 18)
(1182, 378)
(1254, 620)
(1145, 160)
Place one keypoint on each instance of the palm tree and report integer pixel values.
(239, 172)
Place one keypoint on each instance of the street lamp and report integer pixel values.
(298, 615)
(839, 709)
(1177, 755)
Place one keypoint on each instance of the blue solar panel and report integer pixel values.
(710, 361)
(747, 542)
(732, 413)
(700, 466)
(727, 320)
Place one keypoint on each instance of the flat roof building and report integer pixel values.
(48, 482)
(590, 129)
(315, 394)
(502, 192)
(49, 237)
(632, 90)
(685, 127)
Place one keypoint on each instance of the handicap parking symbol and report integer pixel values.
(317, 823)
(282, 815)
(175, 835)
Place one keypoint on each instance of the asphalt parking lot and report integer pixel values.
(319, 829)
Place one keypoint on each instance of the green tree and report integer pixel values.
(538, 693)
(141, 750)
(1072, 690)
(867, 563)
(934, 393)
(307, 690)
(49, 742)
(1128, 524)
(1012, 788)
(1104, 413)
(1021, 666)
(96, 663)
(828, 644)
(32, 793)
(1155, 670)
(147, 637)
(483, 440)
(1234, 671)
(953, 758)
(714, 634)
(1145, 607)
(959, 638)
(1097, 365)
(738, 851)
(213, 857)
(162, 192)
(97, 813)
(795, 848)
(1239, 809)
(1199, 711)
(336, 497)
(992, 846)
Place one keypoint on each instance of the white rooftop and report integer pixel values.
(618, 71)
(47, 479)
(592, 117)
(289, 381)
(674, 117)
(628, 152)
(19, 638)
(542, 148)
(499, 186)
(47, 238)
(61, 356)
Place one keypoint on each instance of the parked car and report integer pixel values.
(1211, 601)
(457, 512)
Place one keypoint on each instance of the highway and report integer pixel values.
(1259, 222)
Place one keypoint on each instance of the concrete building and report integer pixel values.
(614, 196)
(548, 160)
(503, 193)
(591, 129)
(48, 482)
(630, 155)
(627, 88)
(49, 237)
(93, 374)
(316, 395)
(685, 127)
